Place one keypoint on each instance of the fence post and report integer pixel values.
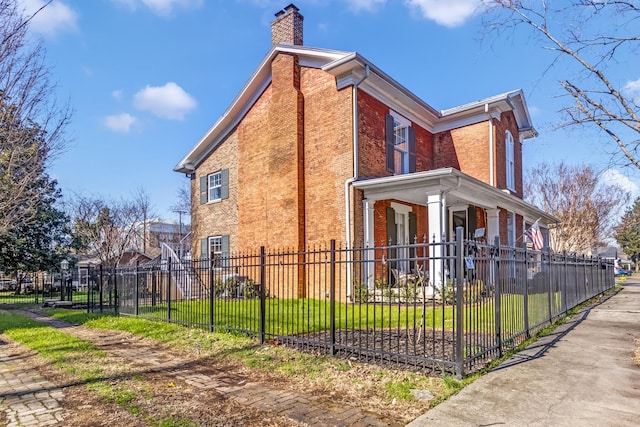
(332, 296)
(459, 326)
(498, 292)
(525, 295)
(137, 293)
(100, 289)
(169, 290)
(116, 302)
(89, 288)
(552, 295)
(263, 297)
(212, 295)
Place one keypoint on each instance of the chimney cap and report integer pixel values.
(279, 13)
(291, 6)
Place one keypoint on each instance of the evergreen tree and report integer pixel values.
(628, 232)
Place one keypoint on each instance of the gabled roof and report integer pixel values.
(349, 68)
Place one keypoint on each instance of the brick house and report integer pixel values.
(321, 144)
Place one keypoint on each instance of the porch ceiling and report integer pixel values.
(458, 187)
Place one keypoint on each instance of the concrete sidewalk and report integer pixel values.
(581, 375)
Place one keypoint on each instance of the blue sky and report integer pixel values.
(147, 78)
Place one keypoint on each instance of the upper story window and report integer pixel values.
(510, 163)
(400, 144)
(214, 187)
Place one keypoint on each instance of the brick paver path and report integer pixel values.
(308, 409)
(26, 398)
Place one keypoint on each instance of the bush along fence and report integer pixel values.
(450, 307)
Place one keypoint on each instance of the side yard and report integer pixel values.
(128, 371)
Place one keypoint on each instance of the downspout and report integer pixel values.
(491, 143)
(349, 181)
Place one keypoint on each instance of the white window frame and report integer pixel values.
(214, 186)
(215, 242)
(400, 124)
(510, 161)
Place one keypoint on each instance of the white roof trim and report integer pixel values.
(415, 187)
(348, 68)
(248, 95)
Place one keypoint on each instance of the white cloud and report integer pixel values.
(120, 123)
(117, 94)
(169, 101)
(161, 7)
(614, 177)
(451, 13)
(632, 90)
(51, 20)
(368, 5)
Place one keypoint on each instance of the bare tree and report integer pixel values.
(142, 200)
(31, 123)
(105, 229)
(593, 35)
(586, 207)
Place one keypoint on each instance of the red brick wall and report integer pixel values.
(466, 149)
(328, 147)
(271, 208)
(372, 139)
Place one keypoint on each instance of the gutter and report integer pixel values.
(349, 181)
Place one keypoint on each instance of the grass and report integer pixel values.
(311, 371)
(82, 361)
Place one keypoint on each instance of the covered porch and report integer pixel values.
(427, 207)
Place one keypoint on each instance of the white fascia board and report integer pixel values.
(474, 112)
(351, 69)
(248, 95)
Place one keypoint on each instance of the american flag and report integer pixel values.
(534, 235)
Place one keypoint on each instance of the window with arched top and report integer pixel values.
(510, 162)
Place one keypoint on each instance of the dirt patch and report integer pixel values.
(135, 399)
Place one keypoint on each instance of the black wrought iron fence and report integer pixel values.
(451, 307)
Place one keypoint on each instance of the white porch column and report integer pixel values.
(369, 242)
(436, 207)
(493, 225)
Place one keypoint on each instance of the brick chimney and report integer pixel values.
(287, 27)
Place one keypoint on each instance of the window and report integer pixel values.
(511, 179)
(400, 145)
(216, 250)
(214, 187)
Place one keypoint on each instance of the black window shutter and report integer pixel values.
(224, 190)
(412, 150)
(391, 227)
(413, 236)
(471, 221)
(204, 190)
(392, 239)
(389, 142)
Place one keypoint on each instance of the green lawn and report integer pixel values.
(298, 316)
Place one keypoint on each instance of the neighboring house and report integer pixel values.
(321, 144)
(151, 234)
